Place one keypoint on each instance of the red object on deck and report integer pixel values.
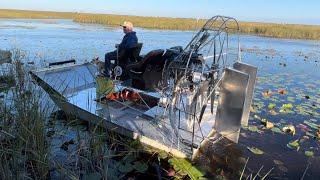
(123, 95)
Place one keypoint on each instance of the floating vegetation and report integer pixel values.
(276, 130)
(309, 153)
(303, 127)
(283, 168)
(253, 128)
(271, 106)
(312, 125)
(282, 91)
(267, 123)
(286, 108)
(184, 167)
(294, 145)
(267, 94)
(289, 129)
(255, 150)
(278, 162)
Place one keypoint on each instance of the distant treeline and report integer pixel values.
(290, 31)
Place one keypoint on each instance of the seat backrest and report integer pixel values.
(154, 57)
(129, 55)
(135, 52)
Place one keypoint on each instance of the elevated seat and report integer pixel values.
(128, 56)
(147, 73)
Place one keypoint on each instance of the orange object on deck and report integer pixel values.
(123, 95)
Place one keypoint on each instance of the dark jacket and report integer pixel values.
(129, 41)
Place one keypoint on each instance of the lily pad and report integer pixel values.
(286, 108)
(278, 162)
(312, 125)
(266, 94)
(255, 150)
(276, 130)
(309, 153)
(269, 125)
(273, 112)
(283, 168)
(271, 105)
(282, 91)
(291, 99)
(289, 129)
(253, 128)
(294, 144)
(311, 135)
(303, 127)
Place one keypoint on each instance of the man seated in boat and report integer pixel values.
(129, 40)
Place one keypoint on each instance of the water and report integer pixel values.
(292, 65)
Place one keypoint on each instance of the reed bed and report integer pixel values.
(23, 146)
(26, 14)
(289, 31)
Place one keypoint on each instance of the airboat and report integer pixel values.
(181, 98)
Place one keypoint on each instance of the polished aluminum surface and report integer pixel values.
(231, 101)
(73, 89)
(252, 72)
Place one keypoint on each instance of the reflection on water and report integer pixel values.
(293, 65)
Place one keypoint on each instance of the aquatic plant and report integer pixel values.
(23, 146)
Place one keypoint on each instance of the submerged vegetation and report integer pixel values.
(290, 31)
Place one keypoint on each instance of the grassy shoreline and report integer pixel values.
(287, 31)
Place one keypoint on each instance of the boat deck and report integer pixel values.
(73, 89)
(141, 122)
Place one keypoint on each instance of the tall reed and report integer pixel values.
(23, 146)
(290, 31)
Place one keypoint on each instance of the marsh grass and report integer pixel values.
(98, 153)
(289, 31)
(23, 146)
(6, 82)
(26, 149)
(25, 14)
